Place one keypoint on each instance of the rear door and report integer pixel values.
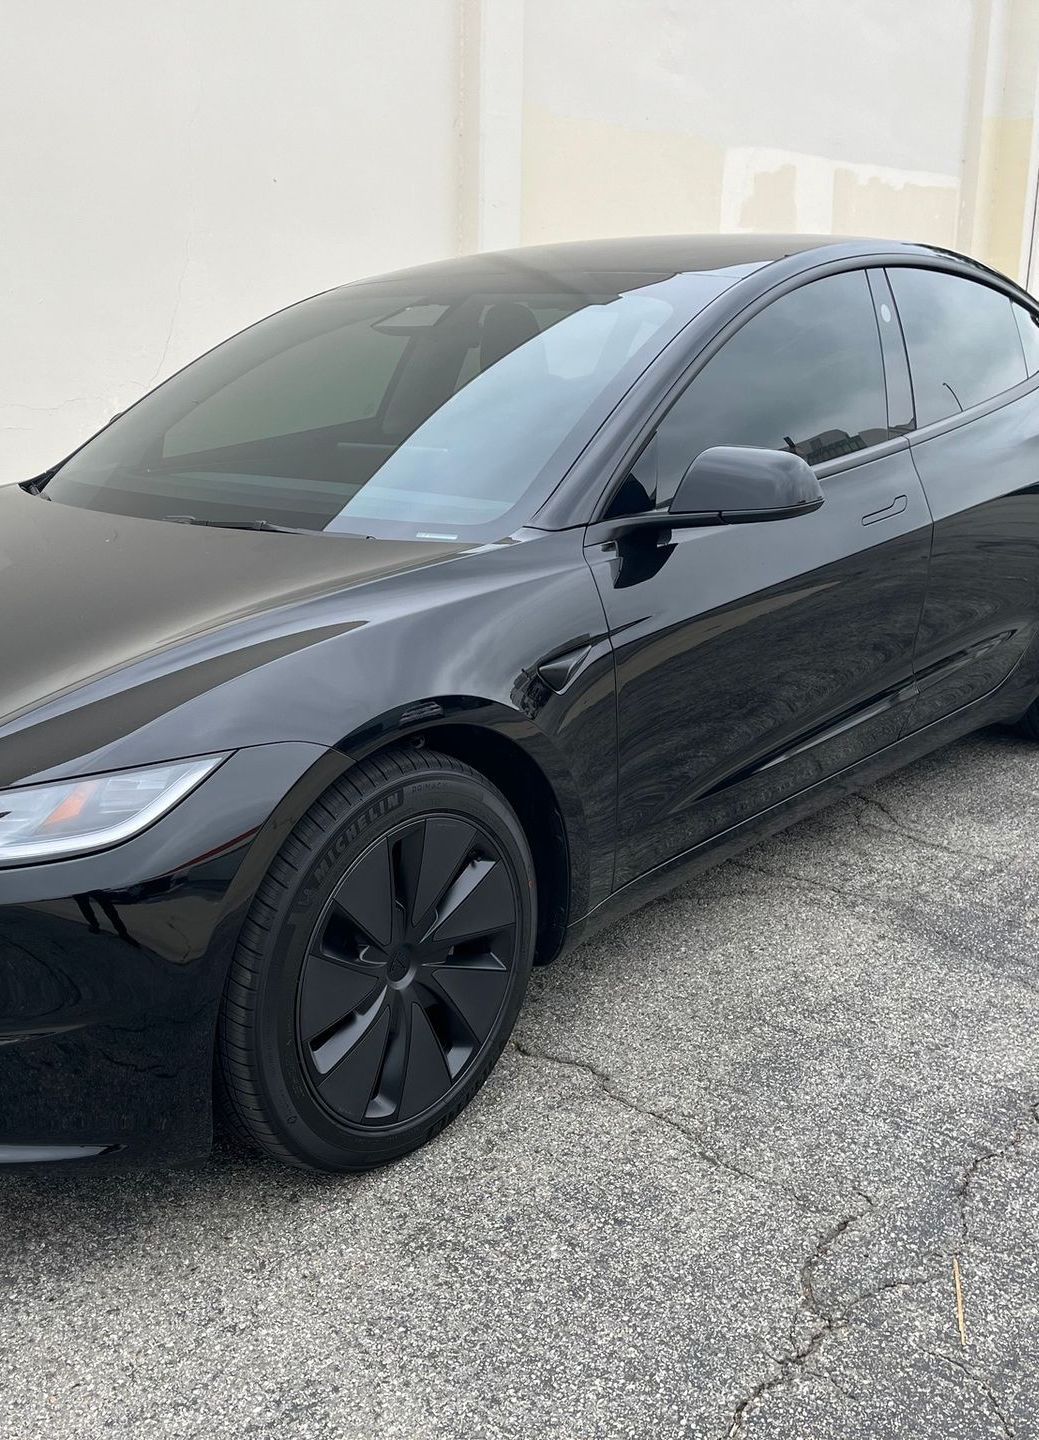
(753, 660)
(974, 358)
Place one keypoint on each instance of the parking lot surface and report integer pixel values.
(722, 1184)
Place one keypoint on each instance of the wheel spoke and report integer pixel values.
(345, 942)
(457, 1039)
(365, 896)
(430, 858)
(331, 992)
(427, 1074)
(476, 954)
(474, 991)
(348, 1087)
(329, 1048)
(480, 902)
(389, 1086)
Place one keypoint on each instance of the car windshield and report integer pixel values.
(380, 409)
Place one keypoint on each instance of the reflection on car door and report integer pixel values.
(753, 660)
(970, 344)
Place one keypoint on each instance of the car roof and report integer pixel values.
(643, 255)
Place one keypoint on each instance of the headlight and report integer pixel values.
(46, 822)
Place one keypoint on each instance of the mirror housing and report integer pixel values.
(737, 485)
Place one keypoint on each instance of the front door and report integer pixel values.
(753, 660)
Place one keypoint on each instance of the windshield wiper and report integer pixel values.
(236, 524)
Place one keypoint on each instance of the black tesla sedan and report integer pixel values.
(400, 641)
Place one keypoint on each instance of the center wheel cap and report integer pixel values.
(399, 966)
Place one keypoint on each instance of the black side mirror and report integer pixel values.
(730, 485)
(734, 484)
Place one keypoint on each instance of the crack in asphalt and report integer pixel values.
(826, 886)
(989, 1156)
(825, 1322)
(797, 1357)
(868, 802)
(982, 1384)
(867, 901)
(693, 1137)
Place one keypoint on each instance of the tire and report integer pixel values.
(381, 967)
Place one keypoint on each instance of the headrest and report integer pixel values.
(506, 326)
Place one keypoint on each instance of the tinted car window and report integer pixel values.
(964, 345)
(379, 410)
(805, 375)
(319, 382)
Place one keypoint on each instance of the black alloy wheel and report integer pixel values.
(407, 970)
(382, 966)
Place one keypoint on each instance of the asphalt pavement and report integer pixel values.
(723, 1184)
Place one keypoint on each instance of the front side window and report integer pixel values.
(805, 375)
(382, 410)
(963, 341)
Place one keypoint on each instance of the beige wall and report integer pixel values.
(171, 170)
(734, 114)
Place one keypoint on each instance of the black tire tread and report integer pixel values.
(237, 1088)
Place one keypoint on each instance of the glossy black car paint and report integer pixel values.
(650, 702)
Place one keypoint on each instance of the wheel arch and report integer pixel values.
(527, 789)
(525, 766)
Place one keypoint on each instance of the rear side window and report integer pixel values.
(805, 375)
(963, 341)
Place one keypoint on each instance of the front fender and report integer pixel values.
(359, 666)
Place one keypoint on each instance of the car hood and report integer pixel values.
(83, 593)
